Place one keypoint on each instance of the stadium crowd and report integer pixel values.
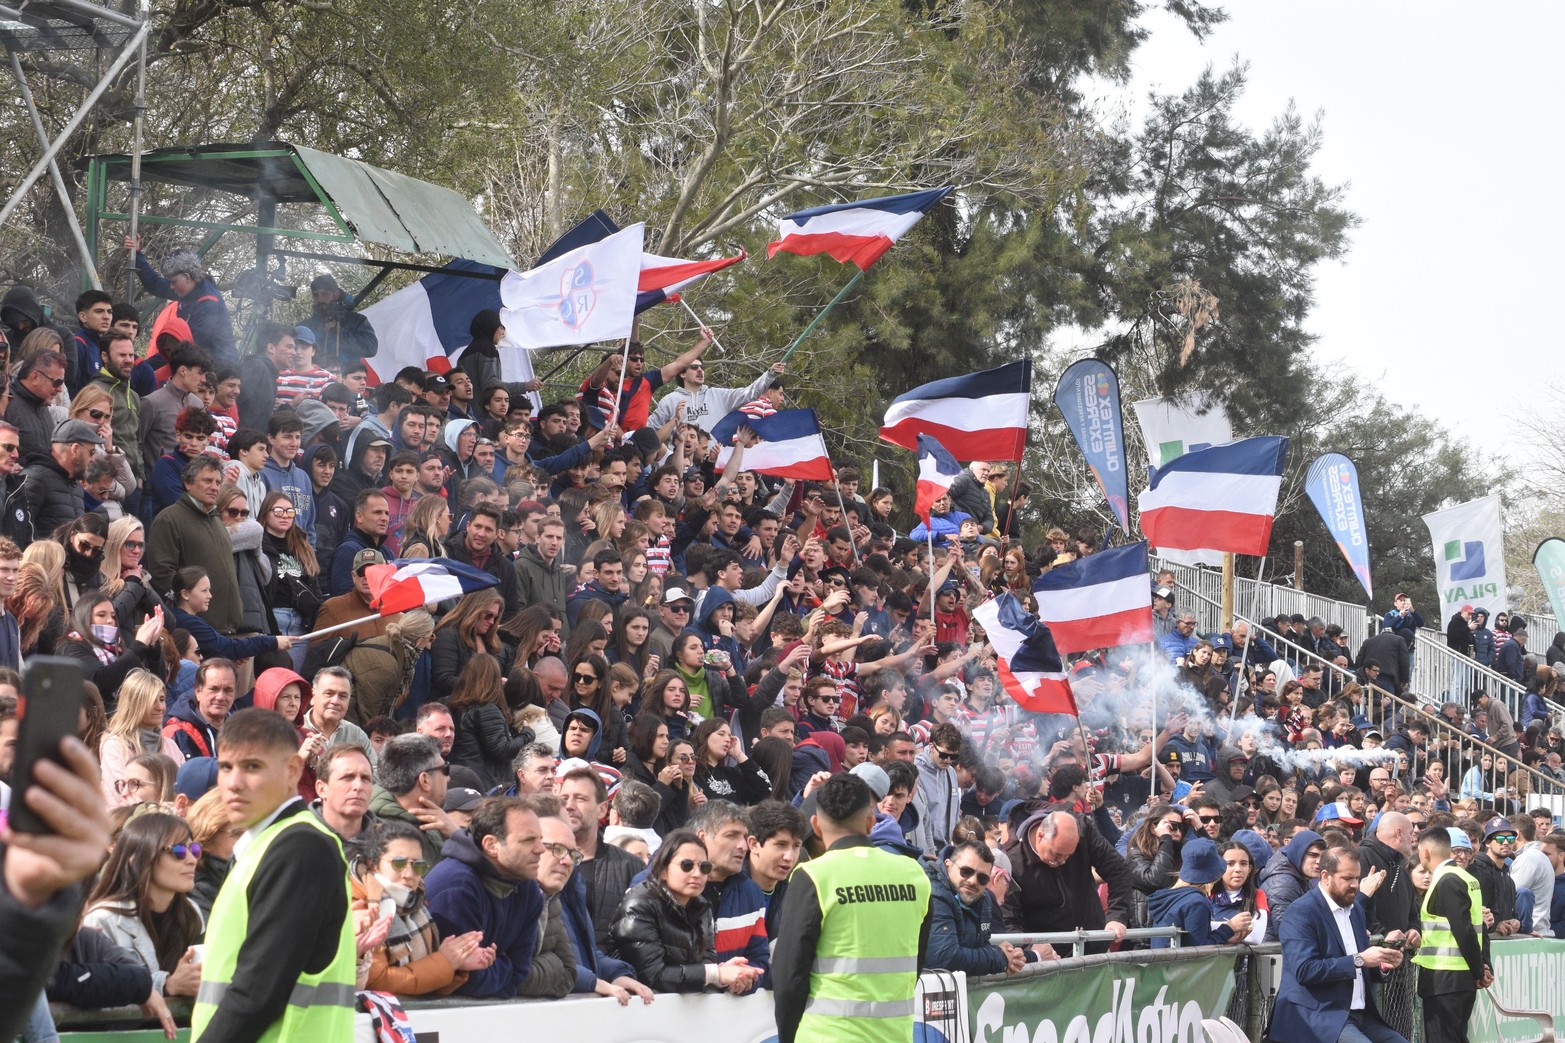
(673, 659)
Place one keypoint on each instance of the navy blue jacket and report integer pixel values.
(591, 962)
(460, 902)
(1317, 974)
(958, 932)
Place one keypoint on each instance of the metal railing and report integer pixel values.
(1435, 664)
(1264, 599)
(1079, 940)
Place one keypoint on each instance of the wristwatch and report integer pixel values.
(1358, 961)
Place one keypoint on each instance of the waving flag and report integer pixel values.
(1030, 666)
(858, 232)
(791, 446)
(587, 294)
(409, 583)
(937, 469)
(663, 277)
(1224, 498)
(1098, 601)
(979, 416)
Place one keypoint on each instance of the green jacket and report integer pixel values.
(126, 422)
(384, 805)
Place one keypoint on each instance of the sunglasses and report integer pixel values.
(179, 851)
(968, 872)
(235, 512)
(89, 550)
(563, 852)
(58, 383)
(828, 698)
(684, 758)
(444, 769)
(489, 617)
(836, 581)
(687, 864)
(638, 358)
(946, 755)
(399, 864)
(98, 415)
(10, 447)
(585, 678)
(1504, 838)
(1175, 825)
(1209, 819)
(284, 512)
(678, 608)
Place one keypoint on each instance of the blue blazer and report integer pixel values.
(1317, 975)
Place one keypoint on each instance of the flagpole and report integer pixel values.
(929, 530)
(333, 629)
(619, 392)
(1245, 655)
(701, 323)
(817, 320)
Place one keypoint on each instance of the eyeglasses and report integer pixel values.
(98, 415)
(444, 769)
(563, 852)
(968, 872)
(1207, 820)
(684, 758)
(687, 864)
(946, 755)
(236, 512)
(283, 512)
(585, 678)
(10, 447)
(123, 786)
(179, 851)
(134, 544)
(399, 864)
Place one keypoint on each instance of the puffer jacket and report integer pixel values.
(958, 932)
(1283, 879)
(52, 497)
(486, 742)
(1151, 874)
(668, 944)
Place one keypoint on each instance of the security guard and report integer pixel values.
(1453, 958)
(855, 924)
(280, 953)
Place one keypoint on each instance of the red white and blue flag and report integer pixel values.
(1098, 601)
(1223, 498)
(663, 277)
(937, 469)
(978, 416)
(791, 444)
(410, 583)
(1031, 670)
(854, 232)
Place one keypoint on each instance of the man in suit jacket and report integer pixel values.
(1328, 964)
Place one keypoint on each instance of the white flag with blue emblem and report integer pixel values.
(581, 297)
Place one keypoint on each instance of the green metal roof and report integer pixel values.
(372, 204)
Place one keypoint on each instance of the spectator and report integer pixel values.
(344, 784)
(1239, 893)
(194, 728)
(1188, 903)
(188, 370)
(106, 655)
(190, 534)
(605, 871)
(486, 740)
(135, 727)
(388, 874)
(182, 278)
(194, 599)
(961, 910)
(412, 779)
(723, 770)
(37, 383)
(371, 518)
(1053, 857)
(1532, 871)
(1287, 876)
(385, 667)
(489, 884)
(51, 481)
(261, 371)
(141, 900)
(1152, 853)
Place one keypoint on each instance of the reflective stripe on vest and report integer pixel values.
(320, 1006)
(1438, 950)
(865, 967)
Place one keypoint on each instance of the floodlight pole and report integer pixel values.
(135, 153)
(54, 174)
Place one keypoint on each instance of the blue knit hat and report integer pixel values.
(1200, 862)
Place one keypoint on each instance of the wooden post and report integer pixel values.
(1298, 564)
(1226, 622)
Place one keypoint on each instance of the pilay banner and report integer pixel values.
(1110, 1003)
(1469, 548)
(1333, 485)
(1172, 427)
(1549, 560)
(1088, 395)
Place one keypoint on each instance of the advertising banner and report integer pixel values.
(1172, 427)
(1116, 1003)
(1469, 547)
(1088, 395)
(1527, 976)
(1333, 485)
(1549, 560)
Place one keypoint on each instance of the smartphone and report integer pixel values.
(47, 712)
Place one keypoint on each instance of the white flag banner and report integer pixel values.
(580, 297)
(1469, 546)
(1172, 427)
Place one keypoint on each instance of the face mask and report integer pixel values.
(396, 892)
(106, 632)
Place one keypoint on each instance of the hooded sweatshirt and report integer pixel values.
(594, 721)
(1222, 787)
(1283, 879)
(467, 893)
(1188, 909)
(712, 638)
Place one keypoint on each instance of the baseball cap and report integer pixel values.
(76, 431)
(367, 557)
(875, 777)
(378, 441)
(1166, 593)
(436, 382)
(460, 798)
(1465, 608)
(692, 473)
(196, 776)
(677, 594)
(1340, 811)
(1459, 838)
(304, 335)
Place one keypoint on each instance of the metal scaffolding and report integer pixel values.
(71, 25)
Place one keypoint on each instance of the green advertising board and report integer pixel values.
(1118, 1003)
(1528, 973)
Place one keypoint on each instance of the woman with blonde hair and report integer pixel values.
(210, 825)
(381, 682)
(38, 600)
(135, 728)
(293, 592)
(124, 578)
(424, 533)
(608, 518)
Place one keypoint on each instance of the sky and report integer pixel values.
(1442, 120)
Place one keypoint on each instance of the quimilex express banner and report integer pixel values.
(1549, 560)
(1113, 1003)
(1469, 547)
(1088, 395)
(1333, 485)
